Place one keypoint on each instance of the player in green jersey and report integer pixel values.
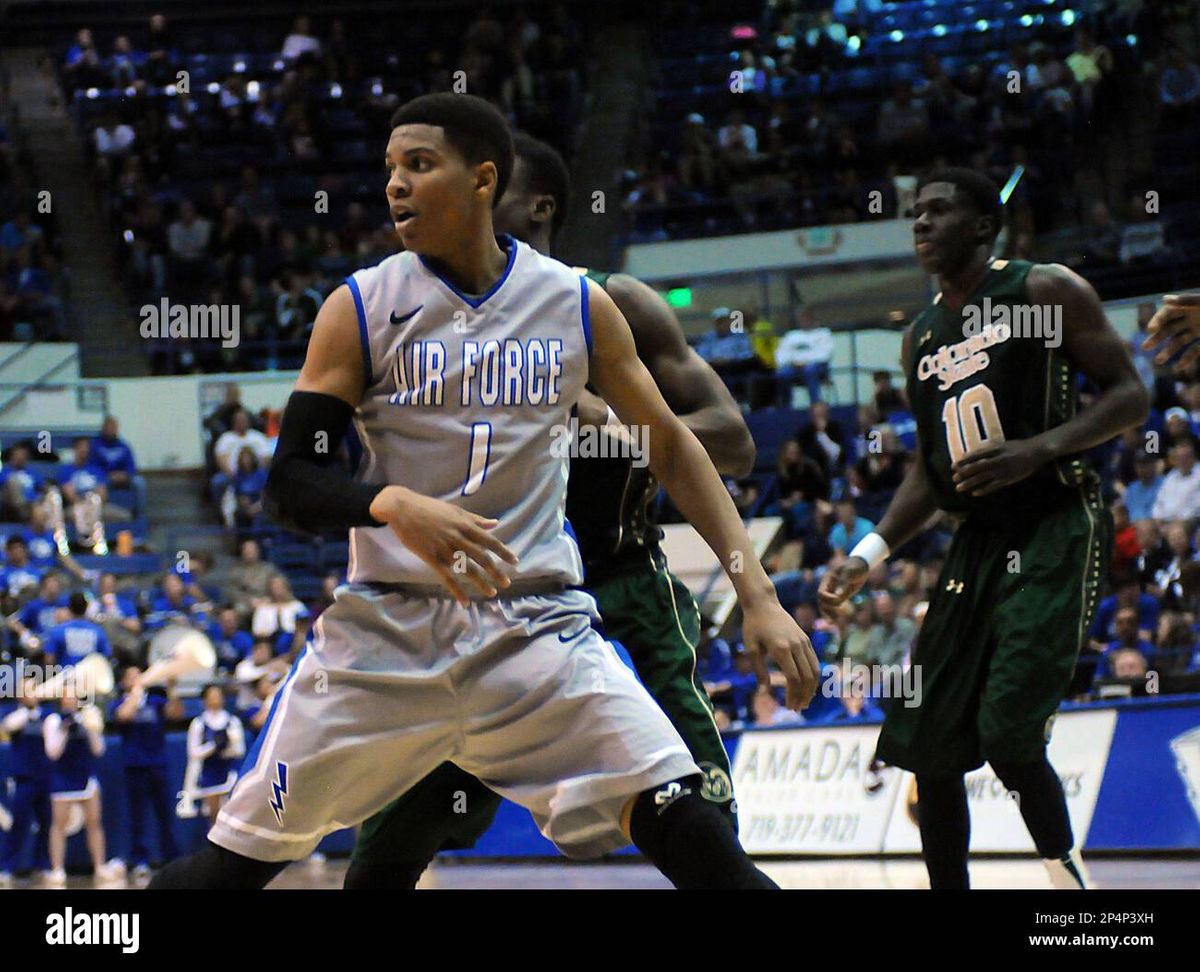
(992, 368)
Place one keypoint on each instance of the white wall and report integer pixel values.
(161, 417)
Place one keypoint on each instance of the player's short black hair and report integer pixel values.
(472, 125)
(546, 173)
(77, 604)
(979, 190)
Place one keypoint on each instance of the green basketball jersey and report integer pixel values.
(985, 375)
(609, 506)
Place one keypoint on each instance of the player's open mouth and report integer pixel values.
(401, 217)
(924, 246)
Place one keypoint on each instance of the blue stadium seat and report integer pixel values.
(143, 563)
(290, 555)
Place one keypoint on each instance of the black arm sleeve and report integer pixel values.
(307, 490)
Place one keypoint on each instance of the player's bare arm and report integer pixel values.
(1174, 327)
(682, 466)
(909, 511)
(693, 390)
(308, 491)
(1093, 344)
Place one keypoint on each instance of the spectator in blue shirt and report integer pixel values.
(112, 454)
(854, 707)
(19, 485)
(1127, 636)
(1128, 594)
(231, 642)
(82, 475)
(715, 660)
(248, 486)
(41, 613)
(18, 573)
(735, 693)
(141, 716)
(723, 347)
(1142, 492)
(849, 529)
(171, 604)
(73, 640)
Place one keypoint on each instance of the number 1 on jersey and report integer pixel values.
(972, 422)
(479, 451)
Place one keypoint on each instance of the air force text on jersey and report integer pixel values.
(494, 374)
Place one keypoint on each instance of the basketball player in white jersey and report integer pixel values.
(460, 635)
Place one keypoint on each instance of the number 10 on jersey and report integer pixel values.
(972, 422)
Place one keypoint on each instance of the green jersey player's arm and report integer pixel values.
(1090, 341)
(909, 511)
(915, 501)
(693, 390)
(683, 467)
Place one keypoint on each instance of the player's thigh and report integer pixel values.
(349, 729)
(654, 616)
(447, 809)
(560, 725)
(936, 729)
(1039, 625)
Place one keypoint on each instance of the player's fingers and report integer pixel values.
(1188, 356)
(486, 563)
(492, 543)
(995, 484)
(1173, 343)
(472, 572)
(800, 684)
(760, 663)
(1182, 300)
(451, 581)
(975, 459)
(1162, 325)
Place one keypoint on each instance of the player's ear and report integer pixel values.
(486, 178)
(542, 209)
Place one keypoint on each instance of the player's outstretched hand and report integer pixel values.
(770, 634)
(1174, 326)
(456, 543)
(841, 583)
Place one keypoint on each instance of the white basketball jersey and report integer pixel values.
(467, 400)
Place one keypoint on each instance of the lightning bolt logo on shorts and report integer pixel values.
(279, 788)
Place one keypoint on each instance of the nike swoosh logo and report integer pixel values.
(577, 634)
(400, 320)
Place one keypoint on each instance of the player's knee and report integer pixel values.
(689, 839)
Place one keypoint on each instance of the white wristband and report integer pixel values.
(873, 549)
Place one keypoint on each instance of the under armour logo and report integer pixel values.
(669, 794)
(954, 586)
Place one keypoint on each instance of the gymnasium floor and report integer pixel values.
(1025, 873)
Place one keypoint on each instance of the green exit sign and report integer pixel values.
(680, 297)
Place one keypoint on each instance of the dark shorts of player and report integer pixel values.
(652, 613)
(999, 643)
